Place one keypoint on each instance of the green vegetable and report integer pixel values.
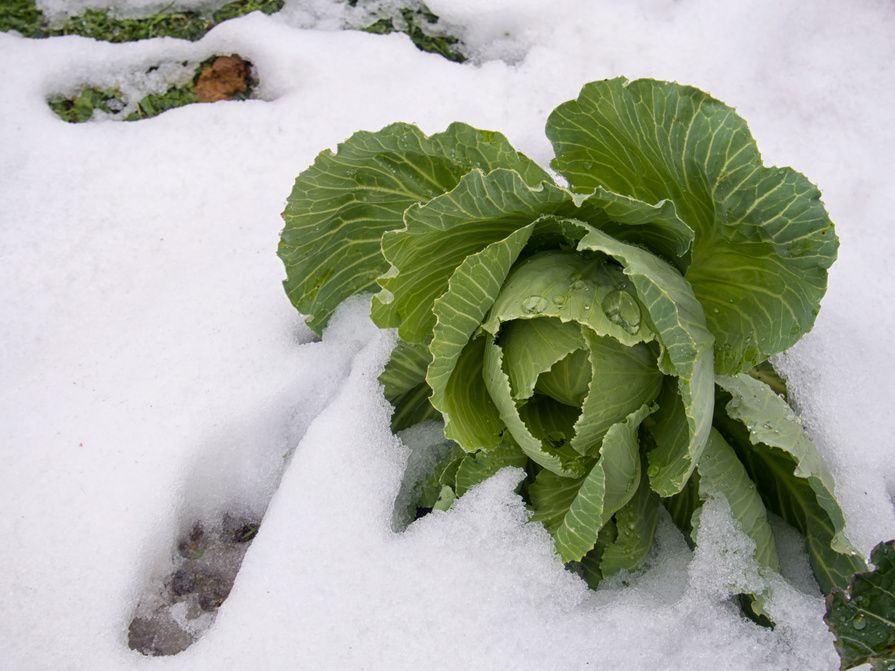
(863, 616)
(577, 331)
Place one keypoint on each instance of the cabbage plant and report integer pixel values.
(601, 333)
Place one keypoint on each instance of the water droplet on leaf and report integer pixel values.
(559, 299)
(859, 623)
(621, 308)
(534, 304)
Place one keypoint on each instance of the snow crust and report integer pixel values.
(155, 372)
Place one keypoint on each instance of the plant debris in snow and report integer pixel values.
(217, 78)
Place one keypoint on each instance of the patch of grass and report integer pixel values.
(24, 17)
(418, 25)
(156, 103)
(82, 106)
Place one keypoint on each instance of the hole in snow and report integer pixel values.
(173, 617)
(427, 446)
(159, 88)
(232, 480)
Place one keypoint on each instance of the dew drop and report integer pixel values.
(859, 623)
(621, 308)
(534, 304)
(652, 471)
(559, 299)
(579, 284)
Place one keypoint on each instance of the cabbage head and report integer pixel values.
(602, 333)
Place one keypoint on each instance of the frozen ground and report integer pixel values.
(154, 372)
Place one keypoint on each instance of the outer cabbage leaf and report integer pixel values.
(766, 373)
(788, 471)
(635, 526)
(682, 507)
(551, 497)
(443, 475)
(482, 209)
(479, 466)
(575, 509)
(722, 475)
(467, 403)
(459, 311)
(680, 326)
(439, 235)
(458, 472)
(446, 499)
(656, 227)
(763, 239)
(589, 566)
(863, 617)
(404, 380)
(341, 205)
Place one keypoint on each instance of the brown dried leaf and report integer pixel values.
(223, 79)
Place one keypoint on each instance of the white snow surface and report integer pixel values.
(155, 373)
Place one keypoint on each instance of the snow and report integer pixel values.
(155, 372)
